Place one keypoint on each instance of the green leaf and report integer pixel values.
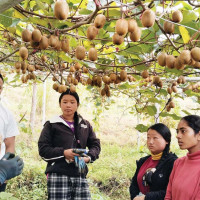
(141, 128)
(151, 110)
(6, 18)
(174, 116)
(113, 13)
(185, 34)
(85, 11)
(65, 57)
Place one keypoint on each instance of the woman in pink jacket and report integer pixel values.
(184, 182)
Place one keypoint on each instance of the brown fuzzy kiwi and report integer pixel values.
(108, 93)
(89, 81)
(148, 18)
(54, 78)
(156, 80)
(168, 27)
(17, 65)
(185, 57)
(92, 54)
(85, 70)
(92, 32)
(117, 39)
(99, 21)
(65, 45)
(169, 90)
(77, 66)
(55, 86)
(162, 59)
(136, 35)
(53, 40)
(36, 35)
(62, 88)
(75, 81)
(197, 64)
(32, 76)
(31, 68)
(131, 78)
(26, 35)
(132, 25)
(113, 77)
(145, 74)
(170, 59)
(195, 53)
(58, 46)
(24, 65)
(178, 64)
(23, 52)
(103, 92)
(44, 58)
(168, 108)
(72, 89)
(72, 69)
(99, 81)
(179, 80)
(174, 89)
(123, 75)
(121, 27)
(44, 43)
(183, 80)
(80, 52)
(34, 44)
(24, 79)
(177, 16)
(160, 84)
(171, 104)
(106, 79)
(61, 10)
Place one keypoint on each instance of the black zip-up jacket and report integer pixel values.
(160, 178)
(57, 136)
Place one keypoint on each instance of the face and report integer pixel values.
(187, 139)
(68, 105)
(1, 85)
(155, 142)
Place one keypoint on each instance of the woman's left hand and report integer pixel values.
(86, 159)
(139, 197)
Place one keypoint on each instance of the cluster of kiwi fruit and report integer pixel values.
(186, 57)
(194, 87)
(168, 26)
(170, 105)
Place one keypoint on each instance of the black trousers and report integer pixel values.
(3, 187)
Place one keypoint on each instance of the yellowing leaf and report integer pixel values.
(18, 15)
(185, 34)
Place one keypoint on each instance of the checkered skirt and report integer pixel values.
(62, 187)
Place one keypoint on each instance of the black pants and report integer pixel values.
(3, 187)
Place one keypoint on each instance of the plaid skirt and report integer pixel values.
(62, 187)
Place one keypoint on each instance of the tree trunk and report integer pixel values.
(6, 4)
(33, 108)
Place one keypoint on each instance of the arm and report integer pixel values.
(10, 144)
(93, 144)
(45, 145)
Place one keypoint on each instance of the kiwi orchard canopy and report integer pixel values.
(148, 50)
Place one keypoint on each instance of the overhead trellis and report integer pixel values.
(140, 48)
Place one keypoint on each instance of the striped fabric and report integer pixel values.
(62, 187)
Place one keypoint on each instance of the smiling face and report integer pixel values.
(187, 139)
(1, 85)
(155, 142)
(68, 106)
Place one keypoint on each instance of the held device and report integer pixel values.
(8, 156)
(81, 152)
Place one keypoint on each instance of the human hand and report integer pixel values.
(69, 154)
(86, 159)
(139, 197)
(10, 168)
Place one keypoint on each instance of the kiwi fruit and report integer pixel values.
(23, 52)
(32, 76)
(177, 16)
(75, 81)
(44, 58)
(179, 80)
(132, 25)
(131, 78)
(23, 65)
(92, 54)
(195, 53)
(34, 44)
(65, 45)
(36, 35)
(161, 58)
(72, 89)
(197, 64)
(72, 69)
(44, 43)
(26, 35)
(85, 70)
(174, 89)
(55, 86)
(168, 108)
(171, 104)
(99, 81)
(117, 39)
(160, 84)
(145, 74)
(92, 32)
(61, 10)
(53, 40)
(58, 46)
(156, 80)
(108, 93)
(77, 66)
(185, 57)
(31, 68)
(121, 27)
(80, 53)
(170, 59)
(103, 92)
(106, 79)
(54, 78)
(99, 21)
(136, 35)
(113, 77)
(24, 79)
(168, 27)
(62, 88)
(169, 90)
(178, 64)
(89, 81)
(17, 65)
(148, 18)
(123, 75)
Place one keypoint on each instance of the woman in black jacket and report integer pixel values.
(153, 171)
(60, 138)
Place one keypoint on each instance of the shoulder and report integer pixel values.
(83, 121)
(172, 156)
(5, 111)
(180, 160)
(142, 160)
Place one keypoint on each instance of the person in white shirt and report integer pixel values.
(8, 130)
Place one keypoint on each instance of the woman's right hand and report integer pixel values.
(69, 154)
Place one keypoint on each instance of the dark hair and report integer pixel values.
(68, 92)
(76, 117)
(193, 122)
(1, 78)
(164, 131)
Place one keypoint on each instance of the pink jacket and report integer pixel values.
(184, 182)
